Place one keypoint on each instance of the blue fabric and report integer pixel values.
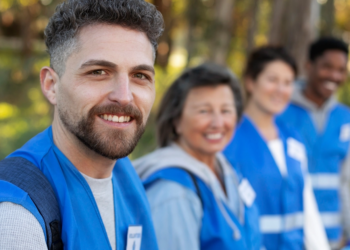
(277, 196)
(326, 153)
(215, 233)
(11, 193)
(182, 210)
(82, 226)
(27, 177)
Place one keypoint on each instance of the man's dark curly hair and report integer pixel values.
(72, 15)
(323, 44)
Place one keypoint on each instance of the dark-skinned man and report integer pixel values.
(325, 125)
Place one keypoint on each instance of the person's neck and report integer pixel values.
(207, 159)
(84, 159)
(263, 121)
(313, 97)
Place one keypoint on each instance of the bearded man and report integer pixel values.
(101, 82)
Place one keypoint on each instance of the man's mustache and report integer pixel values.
(128, 110)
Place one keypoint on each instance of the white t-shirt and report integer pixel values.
(277, 151)
(102, 189)
(19, 229)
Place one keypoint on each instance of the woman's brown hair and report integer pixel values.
(171, 107)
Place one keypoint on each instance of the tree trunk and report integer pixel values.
(252, 25)
(193, 13)
(222, 31)
(327, 12)
(165, 41)
(291, 28)
(26, 31)
(315, 19)
(277, 11)
(299, 31)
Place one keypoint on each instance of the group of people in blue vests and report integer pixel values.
(259, 165)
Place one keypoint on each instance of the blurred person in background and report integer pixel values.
(101, 84)
(272, 157)
(325, 126)
(197, 199)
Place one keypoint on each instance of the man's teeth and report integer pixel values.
(330, 85)
(114, 118)
(214, 136)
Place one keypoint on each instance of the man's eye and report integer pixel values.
(140, 76)
(98, 72)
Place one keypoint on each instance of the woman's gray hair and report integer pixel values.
(72, 15)
(172, 104)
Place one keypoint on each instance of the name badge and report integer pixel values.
(246, 192)
(345, 133)
(296, 149)
(134, 238)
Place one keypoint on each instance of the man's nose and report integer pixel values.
(120, 90)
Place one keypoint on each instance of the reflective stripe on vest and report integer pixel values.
(330, 219)
(281, 223)
(325, 181)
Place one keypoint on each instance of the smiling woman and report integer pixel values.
(188, 181)
(272, 156)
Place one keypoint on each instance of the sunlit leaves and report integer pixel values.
(39, 64)
(27, 2)
(24, 111)
(7, 111)
(6, 4)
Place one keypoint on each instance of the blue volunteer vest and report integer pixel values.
(280, 200)
(215, 232)
(326, 153)
(82, 225)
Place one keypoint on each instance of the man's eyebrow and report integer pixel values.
(103, 63)
(144, 67)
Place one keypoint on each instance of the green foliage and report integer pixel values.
(24, 111)
(344, 93)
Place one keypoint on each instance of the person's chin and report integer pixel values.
(213, 149)
(326, 93)
(276, 109)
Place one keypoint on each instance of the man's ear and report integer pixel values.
(48, 81)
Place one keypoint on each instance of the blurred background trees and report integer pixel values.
(223, 31)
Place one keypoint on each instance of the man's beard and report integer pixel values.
(111, 143)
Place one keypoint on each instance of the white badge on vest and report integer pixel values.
(246, 192)
(134, 238)
(296, 149)
(345, 133)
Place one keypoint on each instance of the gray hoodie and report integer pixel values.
(175, 156)
(319, 115)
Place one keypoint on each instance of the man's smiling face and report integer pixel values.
(106, 92)
(327, 73)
